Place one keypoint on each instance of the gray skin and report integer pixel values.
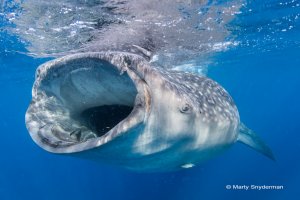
(178, 119)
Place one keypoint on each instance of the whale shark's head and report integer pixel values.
(116, 106)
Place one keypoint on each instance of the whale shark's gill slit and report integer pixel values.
(101, 119)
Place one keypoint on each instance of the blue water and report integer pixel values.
(263, 76)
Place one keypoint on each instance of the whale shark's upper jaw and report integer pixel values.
(86, 100)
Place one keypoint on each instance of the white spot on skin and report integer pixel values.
(188, 165)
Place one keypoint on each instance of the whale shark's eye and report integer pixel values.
(186, 108)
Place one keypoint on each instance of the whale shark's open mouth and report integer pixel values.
(85, 100)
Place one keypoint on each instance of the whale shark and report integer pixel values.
(119, 108)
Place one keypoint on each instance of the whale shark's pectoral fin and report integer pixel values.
(251, 139)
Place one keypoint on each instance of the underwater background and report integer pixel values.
(258, 63)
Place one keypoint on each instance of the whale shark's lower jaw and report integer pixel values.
(86, 100)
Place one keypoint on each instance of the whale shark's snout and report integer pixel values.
(116, 107)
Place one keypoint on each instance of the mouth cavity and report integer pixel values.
(102, 119)
(83, 101)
